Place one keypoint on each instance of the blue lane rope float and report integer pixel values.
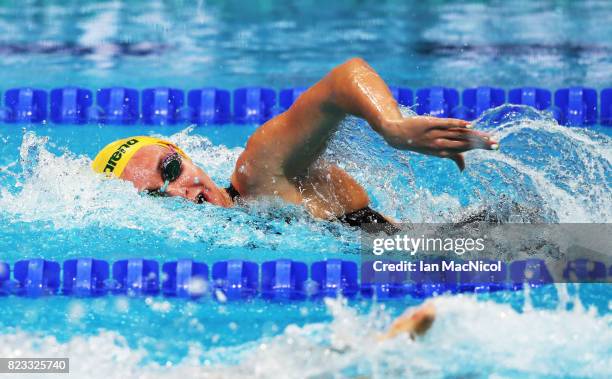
(403, 96)
(537, 98)
(281, 279)
(584, 268)
(5, 274)
(254, 105)
(437, 101)
(117, 105)
(477, 100)
(161, 106)
(284, 279)
(573, 106)
(577, 105)
(606, 106)
(383, 285)
(70, 105)
(136, 277)
(208, 106)
(236, 279)
(335, 275)
(483, 281)
(182, 278)
(85, 277)
(25, 105)
(36, 277)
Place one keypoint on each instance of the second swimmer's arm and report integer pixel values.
(286, 146)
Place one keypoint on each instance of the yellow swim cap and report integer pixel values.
(113, 158)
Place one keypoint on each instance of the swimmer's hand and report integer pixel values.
(440, 137)
(414, 322)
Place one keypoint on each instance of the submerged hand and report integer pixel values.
(440, 137)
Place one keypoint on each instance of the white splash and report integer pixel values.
(468, 338)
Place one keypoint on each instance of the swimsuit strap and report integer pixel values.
(357, 218)
(366, 219)
(363, 216)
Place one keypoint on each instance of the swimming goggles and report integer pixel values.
(171, 167)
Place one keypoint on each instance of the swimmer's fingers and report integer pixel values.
(445, 123)
(462, 133)
(464, 140)
(452, 148)
(461, 146)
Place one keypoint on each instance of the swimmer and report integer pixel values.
(413, 322)
(283, 156)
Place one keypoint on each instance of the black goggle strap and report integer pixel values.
(156, 193)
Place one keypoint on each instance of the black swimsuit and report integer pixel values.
(356, 218)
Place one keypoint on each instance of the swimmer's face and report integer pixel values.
(144, 171)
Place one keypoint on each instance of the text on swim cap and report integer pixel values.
(117, 155)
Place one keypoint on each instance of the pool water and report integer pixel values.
(53, 206)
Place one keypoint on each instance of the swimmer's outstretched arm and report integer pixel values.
(286, 146)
